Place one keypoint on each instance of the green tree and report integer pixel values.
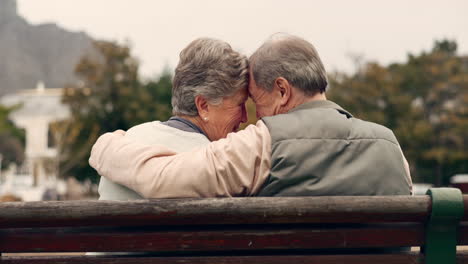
(439, 81)
(11, 139)
(110, 97)
(424, 101)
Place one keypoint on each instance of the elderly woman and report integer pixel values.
(208, 99)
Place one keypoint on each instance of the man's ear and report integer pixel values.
(202, 106)
(283, 87)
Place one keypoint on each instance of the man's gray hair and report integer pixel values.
(210, 68)
(292, 58)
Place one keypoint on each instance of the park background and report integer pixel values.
(403, 64)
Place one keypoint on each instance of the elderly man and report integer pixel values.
(304, 145)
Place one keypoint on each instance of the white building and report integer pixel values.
(39, 108)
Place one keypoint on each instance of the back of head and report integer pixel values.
(210, 68)
(292, 58)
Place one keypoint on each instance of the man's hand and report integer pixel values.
(96, 158)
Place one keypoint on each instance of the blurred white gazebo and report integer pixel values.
(39, 108)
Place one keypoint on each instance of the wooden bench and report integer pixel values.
(228, 230)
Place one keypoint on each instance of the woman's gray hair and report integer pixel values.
(210, 68)
(292, 58)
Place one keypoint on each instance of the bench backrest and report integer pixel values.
(227, 230)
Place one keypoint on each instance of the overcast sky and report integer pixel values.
(380, 30)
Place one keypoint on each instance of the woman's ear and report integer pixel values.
(283, 87)
(202, 106)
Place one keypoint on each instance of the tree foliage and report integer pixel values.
(424, 101)
(110, 97)
(11, 139)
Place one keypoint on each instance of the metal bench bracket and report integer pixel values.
(441, 230)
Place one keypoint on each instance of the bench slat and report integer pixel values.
(273, 210)
(278, 238)
(412, 258)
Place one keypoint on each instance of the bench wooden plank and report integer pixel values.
(319, 259)
(413, 258)
(274, 210)
(263, 238)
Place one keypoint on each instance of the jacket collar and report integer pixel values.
(321, 104)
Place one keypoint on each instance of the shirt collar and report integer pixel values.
(183, 124)
(321, 104)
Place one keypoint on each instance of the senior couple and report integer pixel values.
(303, 144)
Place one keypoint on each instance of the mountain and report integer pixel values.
(33, 53)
